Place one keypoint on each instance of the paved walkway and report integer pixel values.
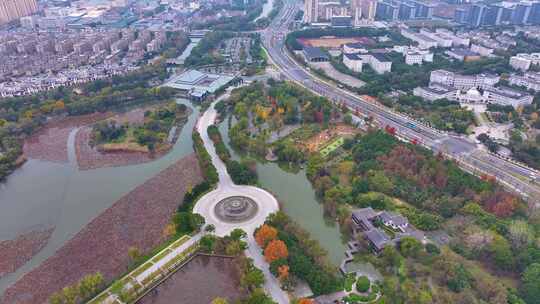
(266, 202)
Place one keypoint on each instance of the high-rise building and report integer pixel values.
(14, 9)
(404, 10)
(524, 12)
(363, 9)
(311, 11)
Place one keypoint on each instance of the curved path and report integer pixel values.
(266, 202)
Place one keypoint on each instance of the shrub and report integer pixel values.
(362, 284)
(432, 249)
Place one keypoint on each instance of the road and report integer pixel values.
(266, 202)
(516, 177)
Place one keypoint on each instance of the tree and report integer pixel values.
(238, 234)
(530, 288)
(220, 300)
(432, 249)
(378, 181)
(459, 279)
(265, 234)
(254, 278)
(363, 284)
(134, 254)
(305, 301)
(410, 247)
(275, 250)
(70, 294)
(501, 252)
(234, 248)
(283, 272)
(520, 233)
(210, 228)
(56, 298)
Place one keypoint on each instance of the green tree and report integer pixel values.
(220, 300)
(378, 181)
(254, 278)
(530, 288)
(410, 247)
(363, 284)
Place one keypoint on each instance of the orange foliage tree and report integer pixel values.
(305, 301)
(275, 250)
(265, 234)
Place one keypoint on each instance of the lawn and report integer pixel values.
(338, 142)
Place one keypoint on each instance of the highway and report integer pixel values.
(516, 177)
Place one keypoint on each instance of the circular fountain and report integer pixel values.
(236, 209)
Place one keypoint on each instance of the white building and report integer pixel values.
(378, 62)
(353, 62)
(354, 48)
(520, 63)
(414, 55)
(423, 41)
(502, 96)
(456, 40)
(482, 50)
(463, 81)
(440, 39)
(436, 92)
(530, 80)
(524, 61)
(508, 97)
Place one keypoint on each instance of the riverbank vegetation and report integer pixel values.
(293, 255)
(153, 134)
(242, 172)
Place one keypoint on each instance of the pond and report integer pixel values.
(200, 281)
(48, 194)
(297, 196)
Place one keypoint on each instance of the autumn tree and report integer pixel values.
(276, 249)
(305, 301)
(265, 234)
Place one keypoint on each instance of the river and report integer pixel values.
(297, 196)
(45, 194)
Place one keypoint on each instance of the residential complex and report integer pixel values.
(516, 13)
(14, 9)
(34, 62)
(530, 80)
(524, 61)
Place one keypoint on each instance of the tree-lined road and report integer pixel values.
(517, 177)
(265, 201)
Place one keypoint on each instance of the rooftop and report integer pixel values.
(314, 52)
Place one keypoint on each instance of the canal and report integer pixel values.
(295, 193)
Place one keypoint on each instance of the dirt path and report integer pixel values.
(136, 220)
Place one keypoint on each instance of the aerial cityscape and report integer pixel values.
(269, 151)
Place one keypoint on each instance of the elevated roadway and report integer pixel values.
(515, 176)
